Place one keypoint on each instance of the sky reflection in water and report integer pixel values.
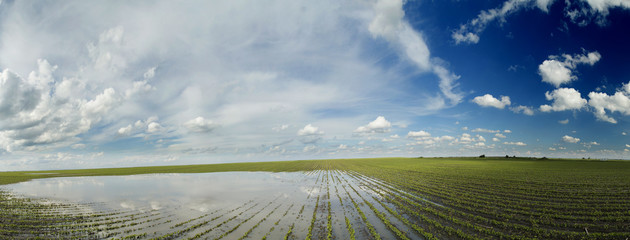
(201, 192)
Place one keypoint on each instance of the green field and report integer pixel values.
(401, 198)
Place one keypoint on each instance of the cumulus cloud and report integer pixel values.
(489, 101)
(499, 135)
(418, 134)
(515, 143)
(565, 121)
(557, 70)
(200, 125)
(618, 102)
(379, 125)
(564, 99)
(16, 95)
(466, 138)
(495, 139)
(154, 127)
(389, 23)
(125, 130)
(523, 109)
(469, 32)
(150, 125)
(100, 105)
(569, 139)
(37, 113)
(309, 130)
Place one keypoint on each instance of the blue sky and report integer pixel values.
(114, 83)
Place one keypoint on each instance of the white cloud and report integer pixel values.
(465, 138)
(604, 5)
(556, 71)
(495, 139)
(153, 127)
(544, 4)
(599, 9)
(125, 130)
(342, 146)
(515, 143)
(309, 130)
(150, 73)
(552, 149)
(569, 139)
(489, 101)
(619, 102)
(200, 125)
(628, 145)
(418, 134)
(41, 112)
(388, 20)
(103, 103)
(465, 37)
(389, 23)
(564, 99)
(565, 121)
(485, 130)
(499, 135)
(523, 109)
(469, 32)
(150, 125)
(379, 125)
(445, 138)
(507, 131)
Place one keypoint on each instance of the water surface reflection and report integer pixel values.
(199, 192)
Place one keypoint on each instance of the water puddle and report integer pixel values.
(201, 192)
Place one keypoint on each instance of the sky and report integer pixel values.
(133, 83)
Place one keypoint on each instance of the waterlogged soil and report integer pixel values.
(229, 205)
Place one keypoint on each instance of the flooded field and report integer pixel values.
(230, 205)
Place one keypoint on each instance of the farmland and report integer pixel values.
(386, 198)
